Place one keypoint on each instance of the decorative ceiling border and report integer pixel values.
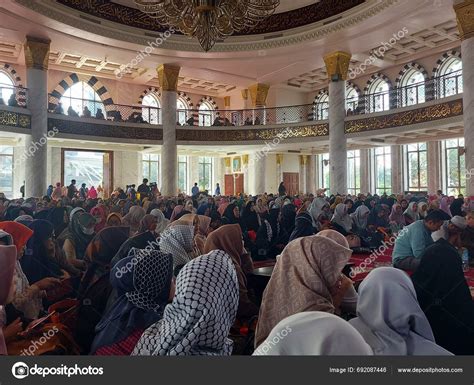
(311, 32)
(278, 22)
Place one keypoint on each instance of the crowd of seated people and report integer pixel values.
(137, 273)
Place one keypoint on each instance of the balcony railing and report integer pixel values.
(253, 117)
(96, 109)
(413, 94)
(435, 88)
(13, 96)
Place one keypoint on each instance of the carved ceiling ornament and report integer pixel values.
(337, 65)
(465, 18)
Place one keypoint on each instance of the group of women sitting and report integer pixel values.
(173, 276)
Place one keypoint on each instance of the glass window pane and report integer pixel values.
(84, 166)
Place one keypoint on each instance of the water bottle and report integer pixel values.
(465, 260)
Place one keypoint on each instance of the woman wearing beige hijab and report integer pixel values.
(307, 277)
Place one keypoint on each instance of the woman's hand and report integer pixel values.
(339, 290)
(12, 330)
(47, 283)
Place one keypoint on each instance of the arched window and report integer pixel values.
(321, 107)
(151, 110)
(182, 111)
(352, 98)
(412, 88)
(378, 96)
(206, 114)
(79, 96)
(449, 77)
(6, 87)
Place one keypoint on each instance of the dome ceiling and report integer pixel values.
(290, 14)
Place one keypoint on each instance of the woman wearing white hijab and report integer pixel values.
(390, 318)
(411, 213)
(342, 218)
(314, 333)
(317, 209)
(203, 310)
(162, 222)
(359, 218)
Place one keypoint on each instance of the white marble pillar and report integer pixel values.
(365, 171)
(193, 171)
(259, 165)
(36, 146)
(311, 175)
(434, 166)
(467, 51)
(397, 169)
(337, 137)
(219, 174)
(168, 79)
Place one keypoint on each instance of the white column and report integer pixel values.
(434, 166)
(464, 11)
(311, 175)
(397, 169)
(259, 163)
(168, 79)
(364, 171)
(337, 137)
(169, 151)
(36, 58)
(467, 51)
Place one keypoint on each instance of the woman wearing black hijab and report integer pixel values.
(456, 207)
(287, 222)
(444, 296)
(281, 189)
(231, 215)
(303, 226)
(249, 217)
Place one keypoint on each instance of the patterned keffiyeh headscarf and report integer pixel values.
(203, 310)
(143, 282)
(179, 242)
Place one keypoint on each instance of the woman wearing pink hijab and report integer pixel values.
(7, 267)
(444, 205)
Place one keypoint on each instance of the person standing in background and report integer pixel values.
(218, 190)
(72, 190)
(195, 190)
(22, 190)
(57, 192)
(144, 189)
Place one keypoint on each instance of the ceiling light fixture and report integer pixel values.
(208, 20)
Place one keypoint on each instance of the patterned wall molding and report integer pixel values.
(406, 118)
(150, 90)
(74, 78)
(145, 132)
(11, 72)
(443, 58)
(15, 119)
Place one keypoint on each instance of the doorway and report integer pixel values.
(291, 180)
(94, 168)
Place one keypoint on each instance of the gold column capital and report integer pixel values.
(227, 162)
(337, 65)
(245, 94)
(303, 160)
(168, 75)
(36, 52)
(258, 94)
(279, 159)
(465, 18)
(227, 101)
(245, 159)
